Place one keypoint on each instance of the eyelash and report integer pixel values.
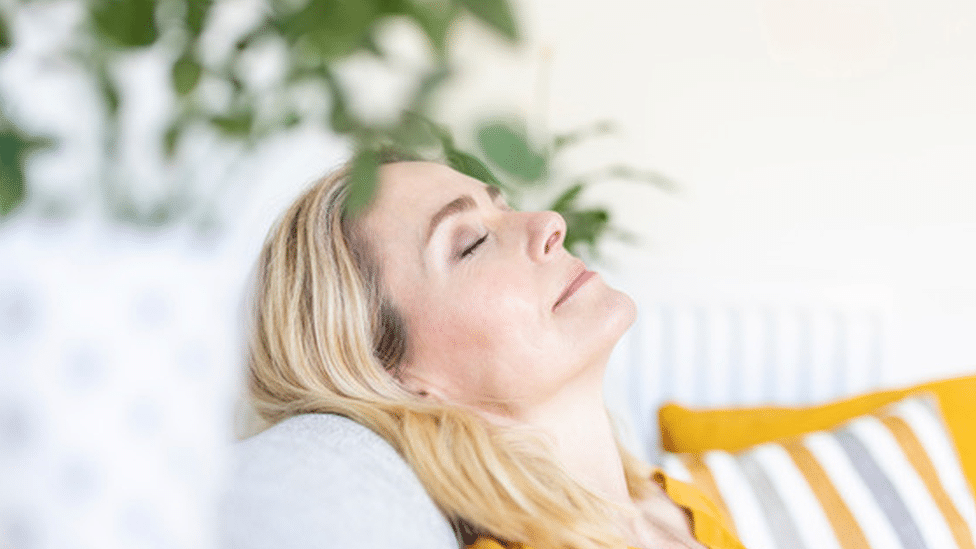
(471, 249)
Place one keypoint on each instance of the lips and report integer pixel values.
(577, 281)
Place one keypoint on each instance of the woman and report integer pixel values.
(464, 334)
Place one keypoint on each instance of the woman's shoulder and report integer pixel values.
(709, 525)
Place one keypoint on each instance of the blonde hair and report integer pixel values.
(324, 340)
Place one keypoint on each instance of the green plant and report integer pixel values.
(316, 36)
(15, 147)
(525, 171)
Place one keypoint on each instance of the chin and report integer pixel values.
(616, 316)
(623, 314)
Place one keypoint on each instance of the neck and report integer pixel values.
(576, 422)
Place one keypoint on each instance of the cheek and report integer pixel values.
(502, 309)
(465, 326)
(482, 323)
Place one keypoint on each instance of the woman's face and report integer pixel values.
(498, 314)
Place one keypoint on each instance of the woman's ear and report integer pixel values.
(417, 384)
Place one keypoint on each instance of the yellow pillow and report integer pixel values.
(886, 480)
(688, 430)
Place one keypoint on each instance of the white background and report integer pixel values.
(820, 142)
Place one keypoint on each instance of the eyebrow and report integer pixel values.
(460, 204)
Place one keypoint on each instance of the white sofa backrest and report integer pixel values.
(324, 481)
(723, 344)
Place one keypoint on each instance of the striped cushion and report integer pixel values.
(887, 480)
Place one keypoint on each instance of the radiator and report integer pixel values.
(711, 347)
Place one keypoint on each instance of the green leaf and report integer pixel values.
(340, 120)
(585, 227)
(443, 135)
(15, 147)
(331, 28)
(414, 133)
(331, 45)
(566, 200)
(434, 18)
(393, 7)
(362, 181)
(290, 120)
(463, 162)
(109, 91)
(596, 130)
(12, 184)
(5, 40)
(472, 167)
(508, 148)
(369, 44)
(186, 74)
(127, 23)
(236, 84)
(657, 179)
(262, 31)
(196, 15)
(171, 138)
(497, 14)
(238, 124)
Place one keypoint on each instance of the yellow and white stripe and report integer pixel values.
(740, 500)
(890, 480)
(856, 495)
(922, 415)
(800, 500)
(906, 480)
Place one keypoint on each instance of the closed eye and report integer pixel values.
(470, 249)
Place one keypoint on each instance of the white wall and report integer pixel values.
(825, 141)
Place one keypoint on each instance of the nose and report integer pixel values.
(547, 231)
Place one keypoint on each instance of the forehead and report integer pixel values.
(408, 195)
(411, 192)
(420, 184)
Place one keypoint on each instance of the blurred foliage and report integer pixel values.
(15, 147)
(317, 35)
(528, 174)
(529, 170)
(509, 149)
